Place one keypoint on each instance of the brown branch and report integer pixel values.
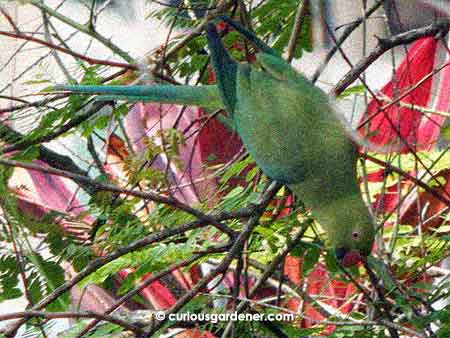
(421, 109)
(386, 44)
(350, 28)
(154, 238)
(18, 252)
(385, 305)
(26, 315)
(13, 98)
(235, 250)
(98, 186)
(398, 99)
(187, 8)
(302, 12)
(220, 8)
(98, 163)
(46, 155)
(9, 19)
(270, 270)
(82, 28)
(92, 61)
(101, 261)
(47, 100)
(96, 107)
(146, 282)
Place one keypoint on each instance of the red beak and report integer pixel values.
(351, 258)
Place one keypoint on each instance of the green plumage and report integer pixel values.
(288, 126)
(291, 130)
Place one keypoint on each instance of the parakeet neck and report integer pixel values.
(349, 210)
(341, 211)
(334, 208)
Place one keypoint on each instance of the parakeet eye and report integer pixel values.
(355, 235)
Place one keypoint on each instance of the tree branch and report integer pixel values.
(349, 30)
(92, 61)
(146, 282)
(84, 29)
(302, 11)
(98, 186)
(386, 44)
(76, 121)
(407, 176)
(26, 315)
(224, 264)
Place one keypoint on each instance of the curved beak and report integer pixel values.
(348, 257)
(340, 253)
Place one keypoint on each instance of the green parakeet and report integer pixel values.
(289, 127)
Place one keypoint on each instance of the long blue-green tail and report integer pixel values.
(203, 96)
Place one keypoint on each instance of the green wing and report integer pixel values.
(225, 69)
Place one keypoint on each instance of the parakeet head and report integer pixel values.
(348, 224)
(353, 234)
(354, 243)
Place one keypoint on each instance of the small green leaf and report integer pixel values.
(29, 154)
(445, 132)
(355, 90)
(310, 259)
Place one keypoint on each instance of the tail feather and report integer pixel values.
(204, 96)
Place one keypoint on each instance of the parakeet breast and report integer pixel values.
(289, 128)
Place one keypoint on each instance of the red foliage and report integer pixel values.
(318, 283)
(426, 205)
(417, 84)
(414, 84)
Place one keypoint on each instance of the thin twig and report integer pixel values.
(44, 102)
(269, 271)
(92, 61)
(97, 263)
(9, 19)
(350, 28)
(220, 9)
(26, 315)
(407, 176)
(381, 295)
(85, 29)
(404, 94)
(146, 282)
(415, 107)
(380, 322)
(302, 11)
(223, 266)
(76, 121)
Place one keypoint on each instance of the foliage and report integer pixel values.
(190, 159)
